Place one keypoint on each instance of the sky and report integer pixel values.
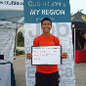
(76, 5)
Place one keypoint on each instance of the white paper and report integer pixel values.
(46, 55)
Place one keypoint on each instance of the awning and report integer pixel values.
(78, 20)
(11, 19)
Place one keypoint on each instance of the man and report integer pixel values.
(46, 75)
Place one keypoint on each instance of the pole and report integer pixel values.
(74, 43)
(15, 42)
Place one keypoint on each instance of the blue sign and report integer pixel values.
(56, 10)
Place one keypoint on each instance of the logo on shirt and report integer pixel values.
(52, 43)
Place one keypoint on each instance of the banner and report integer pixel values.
(11, 4)
(7, 38)
(59, 12)
(11, 18)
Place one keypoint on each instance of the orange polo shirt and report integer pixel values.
(46, 41)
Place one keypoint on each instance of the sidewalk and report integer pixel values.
(19, 70)
(80, 74)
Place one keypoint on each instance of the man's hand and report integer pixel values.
(29, 56)
(64, 55)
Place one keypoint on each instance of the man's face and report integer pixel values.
(46, 26)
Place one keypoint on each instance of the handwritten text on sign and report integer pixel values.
(46, 55)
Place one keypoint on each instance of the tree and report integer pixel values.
(20, 40)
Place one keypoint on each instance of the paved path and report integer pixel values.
(80, 74)
(19, 70)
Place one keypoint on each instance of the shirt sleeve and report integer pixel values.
(35, 41)
(57, 41)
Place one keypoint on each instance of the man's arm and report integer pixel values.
(29, 56)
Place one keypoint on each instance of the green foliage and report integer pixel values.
(20, 40)
(19, 52)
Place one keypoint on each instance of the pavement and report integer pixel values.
(80, 74)
(19, 70)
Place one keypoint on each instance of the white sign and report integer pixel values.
(46, 55)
